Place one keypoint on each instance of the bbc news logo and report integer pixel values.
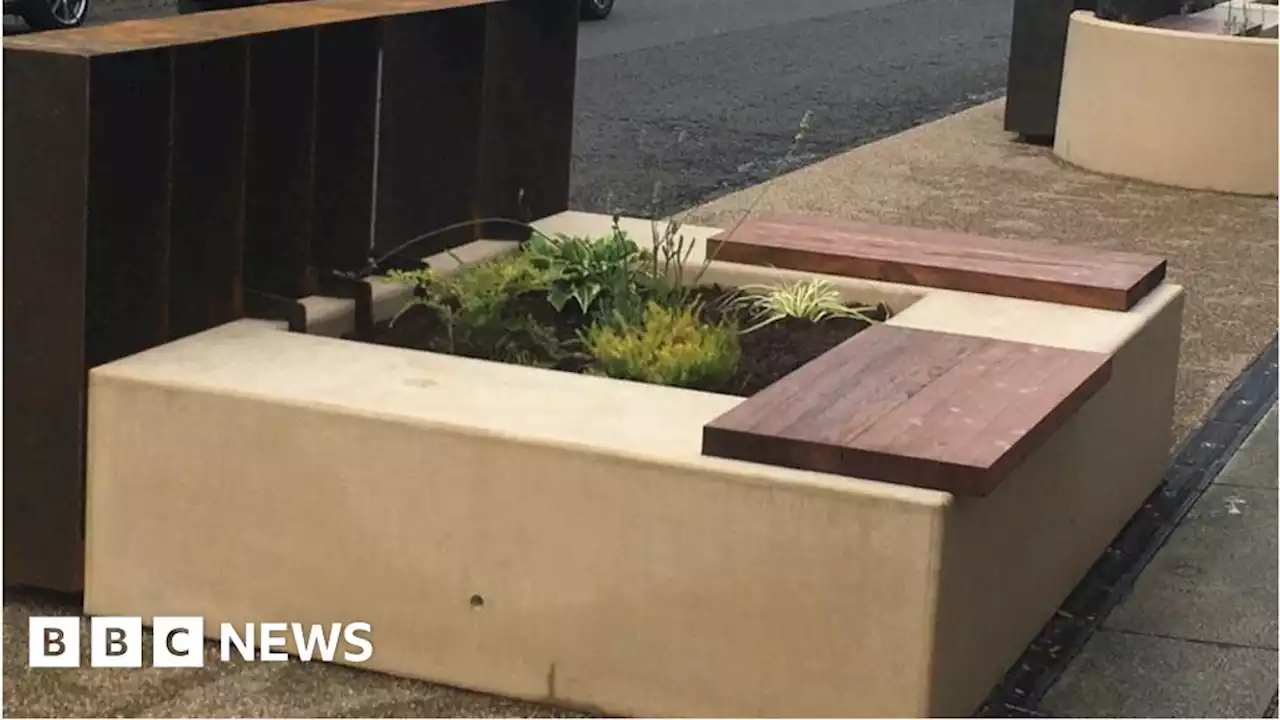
(178, 642)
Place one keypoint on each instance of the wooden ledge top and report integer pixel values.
(935, 258)
(912, 407)
(177, 30)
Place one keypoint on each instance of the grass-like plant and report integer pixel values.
(669, 346)
(596, 274)
(814, 300)
(473, 306)
(665, 266)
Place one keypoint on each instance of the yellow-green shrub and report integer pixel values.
(670, 346)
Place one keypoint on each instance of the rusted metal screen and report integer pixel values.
(158, 172)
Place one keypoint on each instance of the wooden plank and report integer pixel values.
(913, 407)
(154, 33)
(941, 259)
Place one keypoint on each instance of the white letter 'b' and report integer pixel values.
(115, 642)
(53, 642)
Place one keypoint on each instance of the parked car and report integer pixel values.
(596, 9)
(50, 14)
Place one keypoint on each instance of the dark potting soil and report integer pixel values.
(768, 353)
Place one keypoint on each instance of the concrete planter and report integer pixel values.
(1187, 109)
(561, 538)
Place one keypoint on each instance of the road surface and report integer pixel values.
(705, 96)
(680, 101)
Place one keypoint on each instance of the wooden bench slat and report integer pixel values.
(933, 410)
(935, 258)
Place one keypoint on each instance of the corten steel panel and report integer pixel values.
(45, 168)
(157, 33)
(1036, 51)
(432, 83)
(346, 97)
(129, 196)
(526, 144)
(206, 212)
(281, 128)
(127, 200)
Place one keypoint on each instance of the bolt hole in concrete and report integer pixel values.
(477, 602)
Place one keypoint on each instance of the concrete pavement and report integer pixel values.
(1196, 635)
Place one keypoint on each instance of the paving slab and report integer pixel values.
(1123, 675)
(1255, 464)
(1215, 578)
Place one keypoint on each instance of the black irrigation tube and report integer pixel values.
(1198, 460)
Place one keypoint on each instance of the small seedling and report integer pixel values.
(814, 300)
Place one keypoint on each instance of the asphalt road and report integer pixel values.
(685, 100)
(702, 97)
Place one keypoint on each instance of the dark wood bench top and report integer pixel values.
(177, 30)
(941, 259)
(913, 407)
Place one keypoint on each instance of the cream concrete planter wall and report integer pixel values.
(561, 538)
(1186, 109)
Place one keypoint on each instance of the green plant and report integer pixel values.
(669, 346)
(664, 264)
(594, 274)
(814, 300)
(473, 305)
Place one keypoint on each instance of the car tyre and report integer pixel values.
(596, 9)
(53, 14)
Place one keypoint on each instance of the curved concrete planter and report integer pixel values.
(561, 538)
(1178, 108)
